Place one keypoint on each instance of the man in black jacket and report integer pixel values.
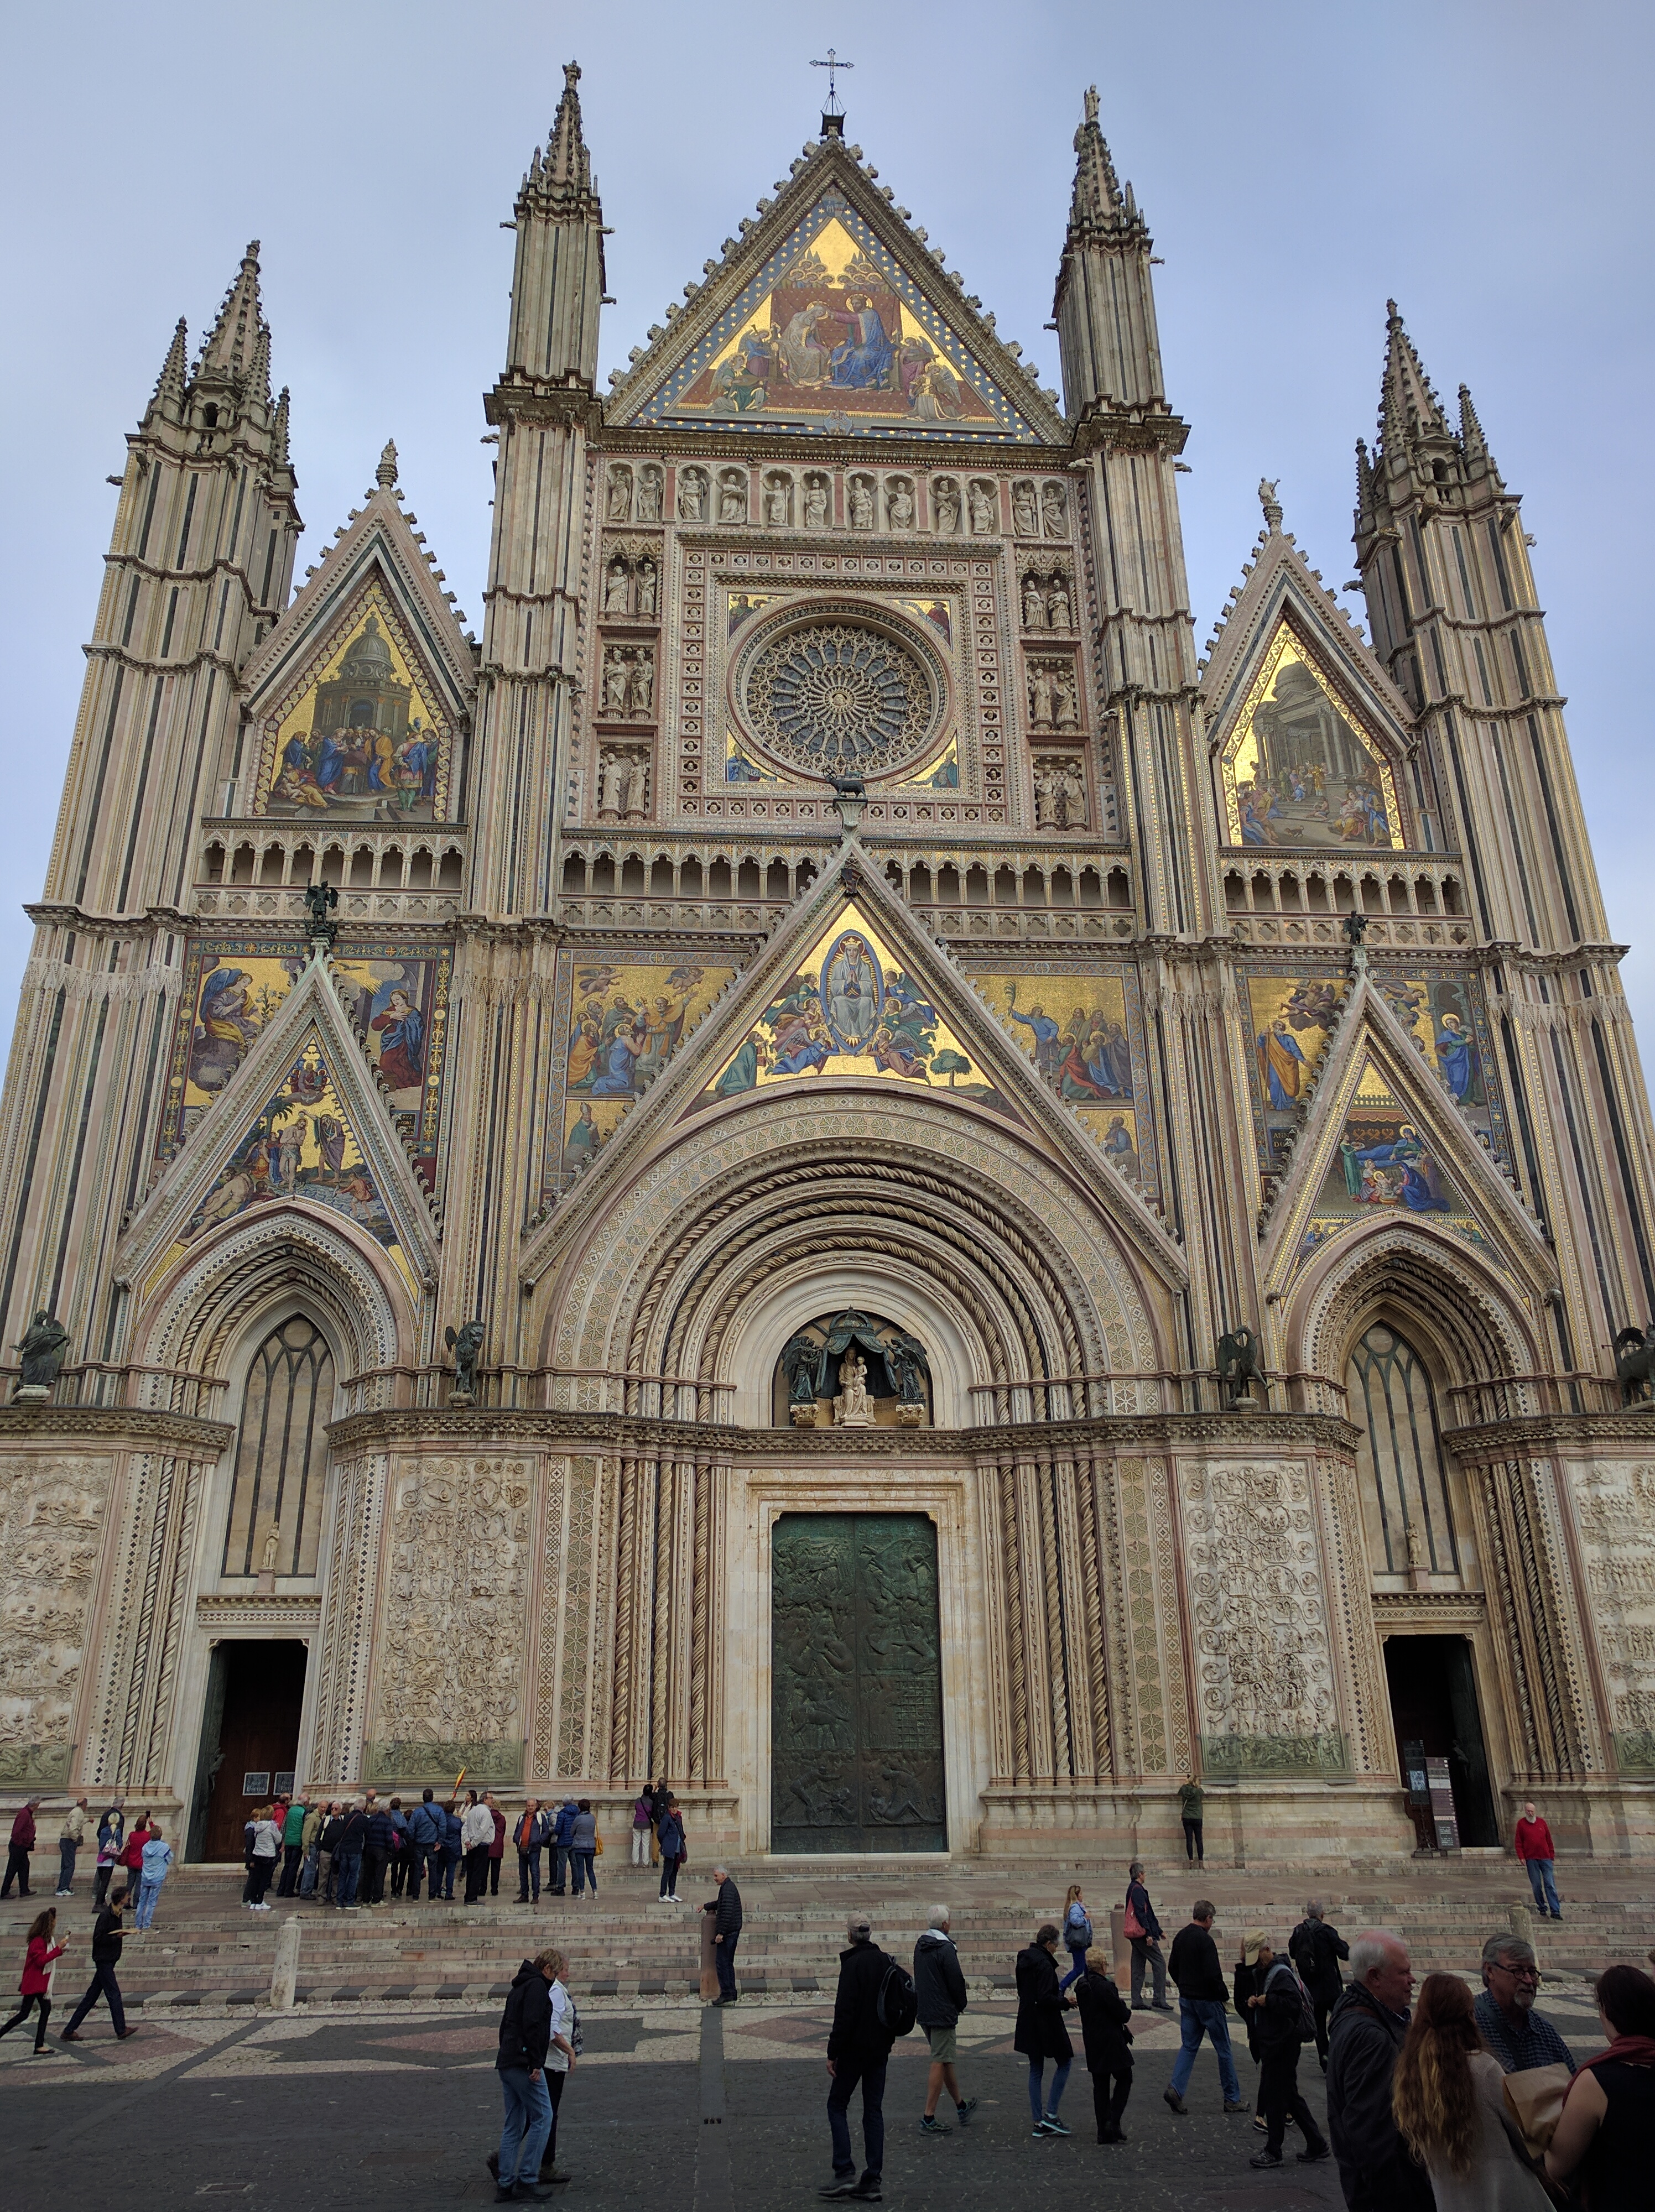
(1316, 1949)
(1376, 2171)
(1278, 2011)
(1203, 2008)
(107, 1941)
(940, 1994)
(528, 2033)
(858, 2046)
(725, 1909)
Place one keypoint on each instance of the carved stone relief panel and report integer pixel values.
(450, 1695)
(51, 1523)
(1263, 1672)
(1615, 1510)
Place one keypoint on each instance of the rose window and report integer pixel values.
(839, 699)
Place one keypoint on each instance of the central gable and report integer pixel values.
(832, 334)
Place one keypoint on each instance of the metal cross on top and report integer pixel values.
(833, 63)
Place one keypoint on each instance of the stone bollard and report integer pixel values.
(1522, 1926)
(284, 1973)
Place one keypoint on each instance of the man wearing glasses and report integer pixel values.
(1519, 2036)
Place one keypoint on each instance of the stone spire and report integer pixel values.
(278, 431)
(557, 285)
(1473, 446)
(1405, 396)
(1104, 311)
(168, 396)
(233, 342)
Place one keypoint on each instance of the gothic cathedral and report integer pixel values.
(829, 1166)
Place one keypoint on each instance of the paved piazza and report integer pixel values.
(388, 2106)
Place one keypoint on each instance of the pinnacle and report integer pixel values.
(278, 443)
(1472, 441)
(169, 385)
(386, 475)
(230, 349)
(567, 165)
(1405, 393)
(1096, 196)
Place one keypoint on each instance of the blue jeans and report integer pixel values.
(67, 1848)
(1540, 1873)
(585, 1870)
(1059, 2081)
(528, 2123)
(1199, 2016)
(558, 1869)
(529, 1876)
(1077, 1966)
(148, 1893)
(724, 1960)
(349, 1873)
(434, 1857)
(847, 2073)
(450, 1861)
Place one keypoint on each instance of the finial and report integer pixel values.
(1092, 103)
(1268, 502)
(833, 109)
(571, 76)
(386, 475)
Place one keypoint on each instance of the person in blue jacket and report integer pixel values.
(426, 1830)
(452, 1849)
(562, 1838)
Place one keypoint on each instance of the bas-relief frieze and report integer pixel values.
(1615, 1512)
(461, 1542)
(51, 1527)
(1264, 1678)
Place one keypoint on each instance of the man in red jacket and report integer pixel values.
(1534, 1848)
(22, 1843)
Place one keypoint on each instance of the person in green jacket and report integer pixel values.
(1191, 1800)
(293, 1847)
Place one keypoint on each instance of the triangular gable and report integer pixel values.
(361, 694)
(1383, 1142)
(833, 317)
(1308, 732)
(305, 1122)
(928, 1017)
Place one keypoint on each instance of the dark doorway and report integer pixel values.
(249, 1739)
(856, 1685)
(1434, 1704)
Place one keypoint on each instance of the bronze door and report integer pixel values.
(856, 1685)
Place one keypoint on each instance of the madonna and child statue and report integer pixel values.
(850, 1409)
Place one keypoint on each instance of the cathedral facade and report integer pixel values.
(829, 1166)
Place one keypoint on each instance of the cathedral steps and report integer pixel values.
(207, 1951)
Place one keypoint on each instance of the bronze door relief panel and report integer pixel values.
(856, 1685)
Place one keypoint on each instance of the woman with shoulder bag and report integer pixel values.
(1077, 1934)
(35, 1987)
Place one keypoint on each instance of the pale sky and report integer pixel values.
(1486, 162)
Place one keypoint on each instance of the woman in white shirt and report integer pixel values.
(267, 1850)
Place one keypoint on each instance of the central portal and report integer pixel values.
(856, 1685)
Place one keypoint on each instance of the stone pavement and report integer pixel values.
(394, 2105)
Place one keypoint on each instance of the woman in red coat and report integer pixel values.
(43, 1953)
(131, 1855)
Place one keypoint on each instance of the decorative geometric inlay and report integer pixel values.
(839, 698)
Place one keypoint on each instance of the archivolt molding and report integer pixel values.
(1478, 1330)
(613, 1309)
(196, 1319)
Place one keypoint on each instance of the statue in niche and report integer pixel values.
(1025, 515)
(1064, 699)
(692, 495)
(1054, 508)
(44, 1345)
(467, 1345)
(981, 501)
(899, 505)
(776, 502)
(267, 1557)
(816, 504)
(619, 506)
(1034, 602)
(646, 585)
(850, 1407)
(800, 1357)
(649, 482)
(732, 497)
(1414, 1537)
(640, 684)
(944, 505)
(620, 781)
(606, 783)
(1040, 696)
(862, 504)
(1057, 604)
(615, 587)
(615, 682)
(904, 1357)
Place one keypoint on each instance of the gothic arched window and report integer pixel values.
(1405, 1493)
(281, 1453)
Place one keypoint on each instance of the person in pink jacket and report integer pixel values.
(1534, 1848)
(36, 1985)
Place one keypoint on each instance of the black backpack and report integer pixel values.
(898, 2003)
(1305, 2030)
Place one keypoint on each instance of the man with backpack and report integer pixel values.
(1316, 1949)
(427, 1830)
(1286, 2019)
(874, 2005)
(562, 1838)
